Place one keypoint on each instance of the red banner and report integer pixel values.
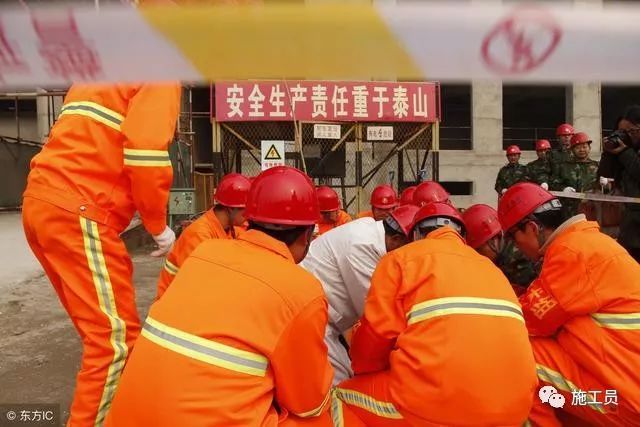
(326, 101)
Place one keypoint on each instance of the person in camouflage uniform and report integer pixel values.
(485, 235)
(519, 269)
(579, 175)
(513, 172)
(563, 154)
(539, 170)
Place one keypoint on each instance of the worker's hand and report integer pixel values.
(164, 241)
(569, 190)
(504, 190)
(614, 149)
(604, 181)
(544, 186)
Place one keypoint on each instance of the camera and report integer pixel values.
(616, 139)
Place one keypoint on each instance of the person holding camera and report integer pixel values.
(621, 161)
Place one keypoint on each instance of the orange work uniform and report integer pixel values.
(204, 228)
(237, 340)
(584, 315)
(442, 342)
(323, 226)
(105, 158)
(365, 214)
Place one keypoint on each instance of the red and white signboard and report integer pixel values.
(326, 101)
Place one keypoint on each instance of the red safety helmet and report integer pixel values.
(328, 200)
(406, 197)
(283, 195)
(543, 144)
(430, 192)
(520, 201)
(580, 138)
(513, 149)
(384, 197)
(437, 210)
(403, 216)
(565, 129)
(482, 224)
(232, 191)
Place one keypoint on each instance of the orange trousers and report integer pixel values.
(365, 401)
(556, 368)
(90, 270)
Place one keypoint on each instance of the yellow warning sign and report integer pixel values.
(272, 153)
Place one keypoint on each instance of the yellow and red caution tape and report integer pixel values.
(543, 42)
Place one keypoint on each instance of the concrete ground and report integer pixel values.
(39, 347)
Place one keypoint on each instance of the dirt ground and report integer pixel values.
(39, 347)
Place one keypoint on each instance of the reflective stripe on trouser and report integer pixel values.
(204, 350)
(365, 400)
(556, 368)
(90, 270)
(625, 321)
(463, 305)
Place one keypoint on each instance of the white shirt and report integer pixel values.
(343, 259)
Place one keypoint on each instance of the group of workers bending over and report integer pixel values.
(265, 317)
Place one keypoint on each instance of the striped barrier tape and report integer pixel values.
(540, 42)
(596, 197)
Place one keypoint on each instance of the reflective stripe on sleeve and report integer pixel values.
(149, 158)
(170, 268)
(463, 305)
(94, 111)
(205, 350)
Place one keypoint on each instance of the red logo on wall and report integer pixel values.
(521, 42)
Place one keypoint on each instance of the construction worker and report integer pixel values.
(431, 347)
(583, 312)
(577, 175)
(484, 234)
(539, 170)
(344, 261)
(430, 192)
(562, 153)
(383, 200)
(331, 216)
(406, 197)
(229, 202)
(102, 162)
(238, 339)
(511, 173)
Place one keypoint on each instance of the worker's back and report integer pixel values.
(217, 347)
(597, 283)
(462, 340)
(204, 228)
(101, 131)
(343, 260)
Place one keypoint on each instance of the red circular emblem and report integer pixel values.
(521, 42)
